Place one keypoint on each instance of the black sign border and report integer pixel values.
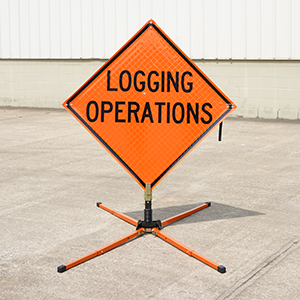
(108, 63)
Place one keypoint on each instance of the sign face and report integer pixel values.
(149, 105)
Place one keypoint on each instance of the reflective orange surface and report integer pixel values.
(149, 105)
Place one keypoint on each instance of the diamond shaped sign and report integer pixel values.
(149, 105)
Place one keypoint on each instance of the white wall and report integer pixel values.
(204, 29)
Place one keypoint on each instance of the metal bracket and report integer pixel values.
(148, 192)
(154, 224)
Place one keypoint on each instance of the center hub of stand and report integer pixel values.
(149, 225)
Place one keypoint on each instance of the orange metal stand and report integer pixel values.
(119, 215)
(147, 226)
(184, 215)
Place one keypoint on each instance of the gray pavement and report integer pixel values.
(53, 172)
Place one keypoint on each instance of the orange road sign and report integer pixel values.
(149, 105)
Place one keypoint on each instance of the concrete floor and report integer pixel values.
(53, 173)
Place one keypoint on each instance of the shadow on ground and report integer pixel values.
(216, 211)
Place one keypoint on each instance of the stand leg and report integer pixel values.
(118, 214)
(184, 215)
(188, 250)
(101, 250)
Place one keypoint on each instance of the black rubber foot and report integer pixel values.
(98, 203)
(61, 269)
(209, 203)
(221, 269)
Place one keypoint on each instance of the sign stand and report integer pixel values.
(149, 97)
(147, 226)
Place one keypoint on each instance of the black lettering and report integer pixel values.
(174, 112)
(88, 113)
(155, 82)
(108, 82)
(206, 112)
(118, 111)
(175, 83)
(142, 83)
(147, 113)
(103, 110)
(163, 81)
(190, 84)
(168, 112)
(195, 113)
(160, 104)
(133, 111)
(121, 81)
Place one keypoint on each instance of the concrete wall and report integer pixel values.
(264, 89)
